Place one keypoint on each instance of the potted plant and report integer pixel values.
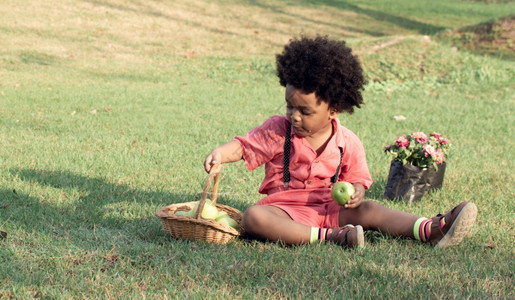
(418, 165)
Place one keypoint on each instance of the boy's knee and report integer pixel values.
(252, 218)
(368, 205)
(368, 209)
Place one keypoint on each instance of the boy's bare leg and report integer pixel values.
(274, 224)
(372, 215)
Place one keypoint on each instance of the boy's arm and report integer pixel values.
(228, 152)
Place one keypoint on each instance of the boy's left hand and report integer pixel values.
(358, 196)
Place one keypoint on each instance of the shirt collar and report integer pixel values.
(338, 134)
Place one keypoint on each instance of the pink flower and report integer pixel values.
(402, 142)
(419, 136)
(429, 151)
(419, 149)
(436, 135)
(439, 157)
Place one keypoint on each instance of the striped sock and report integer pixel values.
(442, 222)
(422, 229)
(318, 234)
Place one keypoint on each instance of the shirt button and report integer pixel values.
(309, 181)
(317, 161)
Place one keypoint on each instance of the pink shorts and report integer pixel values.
(310, 207)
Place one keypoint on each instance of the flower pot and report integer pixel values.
(411, 183)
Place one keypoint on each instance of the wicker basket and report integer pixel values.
(197, 228)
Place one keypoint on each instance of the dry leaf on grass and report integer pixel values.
(490, 244)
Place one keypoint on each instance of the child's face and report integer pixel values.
(307, 113)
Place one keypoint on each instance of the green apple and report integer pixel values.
(185, 213)
(228, 221)
(181, 213)
(209, 212)
(342, 192)
(221, 214)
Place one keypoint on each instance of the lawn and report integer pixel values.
(108, 109)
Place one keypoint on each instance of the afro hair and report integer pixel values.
(326, 67)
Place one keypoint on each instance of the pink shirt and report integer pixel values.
(265, 145)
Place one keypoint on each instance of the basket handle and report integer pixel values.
(207, 185)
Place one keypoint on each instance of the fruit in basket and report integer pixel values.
(185, 213)
(209, 212)
(342, 192)
(226, 220)
(221, 214)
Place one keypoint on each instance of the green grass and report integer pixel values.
(107, 110)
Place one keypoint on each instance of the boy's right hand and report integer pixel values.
(214, 158)
(228, 152)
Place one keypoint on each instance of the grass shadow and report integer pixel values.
(422, 28)
(315, 21)
(117, 209)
